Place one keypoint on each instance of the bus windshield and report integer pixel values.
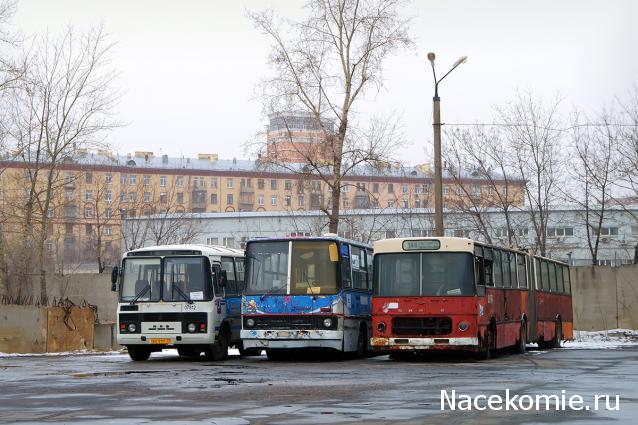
(313, 268)
(141, 279)
(185, 279)
(423, 274)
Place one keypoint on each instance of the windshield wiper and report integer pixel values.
(271, 290)
(311, 287)
(141, 293)
(179, 291)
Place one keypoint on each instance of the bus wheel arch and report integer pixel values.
(521, 343)
(362, 340)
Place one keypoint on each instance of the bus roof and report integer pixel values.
(204, 249)
(311, 238)
(447, 244)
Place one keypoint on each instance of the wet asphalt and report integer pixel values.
(112, 389)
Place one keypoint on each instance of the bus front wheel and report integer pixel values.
(521, 345)
(219, 350)
(138, 354)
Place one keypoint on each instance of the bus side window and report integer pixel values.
(240, 267)
(537, 268)
(544, 276)
(357, 262)
(488, 265)
(567, 280)
(522, 276)
(505, 263)
(498, 271)
(559, 278)
(369, 264)
(215, 279)
(346, 271)
(552, 277)
(231, 284)
(512, 260)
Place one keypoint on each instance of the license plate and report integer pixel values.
(161, 341)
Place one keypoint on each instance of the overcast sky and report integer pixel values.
(189, 67)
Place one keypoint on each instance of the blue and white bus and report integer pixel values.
(179, 296)
(307, 293)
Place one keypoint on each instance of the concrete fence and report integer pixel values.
(31, 329)
(605, 297)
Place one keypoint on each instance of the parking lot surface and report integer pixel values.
(112, 389)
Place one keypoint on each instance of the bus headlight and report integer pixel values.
(191, 327)
(463, 326)
(381, 327)
(132, 327)
(327, 322)
(250, 322)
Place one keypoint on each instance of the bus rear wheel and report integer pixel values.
(277, 355)
(521, 345)
(558, 335)
(137, 353)
(219, 350)
(362, 342)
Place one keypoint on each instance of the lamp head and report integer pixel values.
(431, 57)
(461, 60)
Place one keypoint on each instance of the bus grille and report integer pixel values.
(421, 326)
(290, 322)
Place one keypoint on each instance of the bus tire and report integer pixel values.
(138, 353)
(188, 351)
(219, 350)
(558, 335)
(362, 342)
(521, 345)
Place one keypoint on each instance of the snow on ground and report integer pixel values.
(613, 338)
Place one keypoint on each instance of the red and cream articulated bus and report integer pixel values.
(457, 294)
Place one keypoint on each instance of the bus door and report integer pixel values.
(232, 294)
(531, 299)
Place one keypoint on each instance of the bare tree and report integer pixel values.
(334, 56)
(61, 105)
(533, 129)
(594, 171)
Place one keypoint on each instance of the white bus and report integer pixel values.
(179, 296)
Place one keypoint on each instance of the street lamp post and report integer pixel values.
(438, 173)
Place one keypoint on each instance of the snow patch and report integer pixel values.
(612, 338)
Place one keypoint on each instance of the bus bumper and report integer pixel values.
(292, 339)
(165, 339)
(465, 343)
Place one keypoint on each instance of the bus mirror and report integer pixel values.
(480, 290)
(114, 275)
(222, 278)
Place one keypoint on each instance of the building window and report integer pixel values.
(212, 241)
(213, 198)
(108, 178)
(132, 196)
(50, 213)
(417, 203)
(132, 179)
(180, 198)
(300, 201)
(404, 188)
(345, 188)
(198, 183)
(108, 230)
(147, 180)
(89, 177)
(213, 182)
(260, 200)
(607, 231)
(229, 198)
(375, 187)
(553, 232)
(69, 178)
(390, 188)
(288, 200)
(273, 200)
(88, 212)
(123, 179)
(461, 233)
(346, 203)
(108, 213)
(88, 195)
(405, 203)
(229, 242)
(123, 197)
(147, 196)
(108, 195)
(390, 203)
(69, 195)
(260, 184)
(446, 190)
(162, 198)
(162, 181)
(229, 183)
(288, 185)
(179, 181)
(88, 229)
(273, 184)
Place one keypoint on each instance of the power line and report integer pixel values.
(536, 126)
